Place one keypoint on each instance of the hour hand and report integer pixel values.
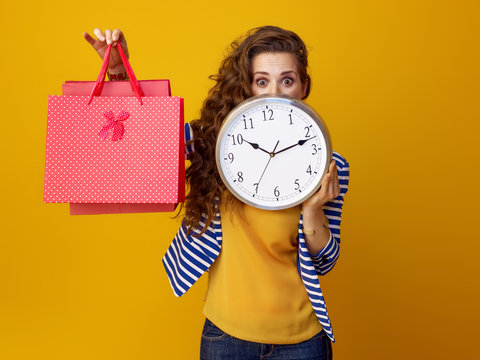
(256, 146)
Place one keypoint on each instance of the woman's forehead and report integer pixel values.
(273, 63)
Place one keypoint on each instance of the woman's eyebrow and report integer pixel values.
(267, 73)
(288, 72)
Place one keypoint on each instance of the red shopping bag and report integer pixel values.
(115, 153)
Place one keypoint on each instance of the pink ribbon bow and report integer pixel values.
(115, 123)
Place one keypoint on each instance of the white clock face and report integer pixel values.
(272, 152)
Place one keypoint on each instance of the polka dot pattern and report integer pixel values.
(140, 167)
(115, 123)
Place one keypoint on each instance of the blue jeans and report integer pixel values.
(218, 345)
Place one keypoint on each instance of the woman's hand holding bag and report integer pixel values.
(109, 38)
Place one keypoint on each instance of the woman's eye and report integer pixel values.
(287, 81)
(261, 82)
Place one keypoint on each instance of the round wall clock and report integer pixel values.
(272, 152)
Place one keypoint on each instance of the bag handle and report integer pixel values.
(97, 89)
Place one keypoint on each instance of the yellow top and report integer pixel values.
(255, 292)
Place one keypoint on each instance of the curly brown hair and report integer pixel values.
(233, 85)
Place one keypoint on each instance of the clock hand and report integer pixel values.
(255, 146)
(272, 154)
(300, 142)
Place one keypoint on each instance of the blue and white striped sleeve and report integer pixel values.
(189, 256)
(325, 259)
(189, 148)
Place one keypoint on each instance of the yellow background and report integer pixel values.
(397, 83)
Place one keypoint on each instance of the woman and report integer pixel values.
(257, 305)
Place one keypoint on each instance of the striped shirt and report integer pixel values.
(188, 257)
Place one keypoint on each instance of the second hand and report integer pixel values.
(272, 154)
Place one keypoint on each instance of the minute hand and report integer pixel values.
(300, 142)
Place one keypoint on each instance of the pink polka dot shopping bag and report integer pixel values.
(118, 148)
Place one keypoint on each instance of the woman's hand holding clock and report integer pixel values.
(313, 215)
